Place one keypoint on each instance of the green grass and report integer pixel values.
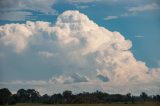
(113, 104)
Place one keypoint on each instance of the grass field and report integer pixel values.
(113, 104)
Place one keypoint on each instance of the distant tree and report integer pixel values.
(56, 99)
(133, 99)
(128, 97)
(143, 96)
(32, 95)
(22, 96)
(45, 99)
(4, 96)
(156, 98)
(67, 96)
(12, 100)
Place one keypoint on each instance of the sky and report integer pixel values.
(80, 45)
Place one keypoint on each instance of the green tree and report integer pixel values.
(45, 99)
(56, 99)
(67, 96)
(128, 97)
(22, 96)
(144, 96)
(4, 96)
(33, 95)
(12, 100)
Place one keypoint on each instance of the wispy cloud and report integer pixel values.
(139, 36)
(133, 11)
(81, 6)
(18, 10)
(141, 8)
(82, 1)
(15, 15)
(46, 54)
(111, 17)
(29, 82)
(73, 78)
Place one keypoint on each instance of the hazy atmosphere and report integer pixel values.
(80, 45)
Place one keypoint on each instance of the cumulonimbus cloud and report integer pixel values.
(81, 46)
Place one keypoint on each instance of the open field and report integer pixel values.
(113, 104)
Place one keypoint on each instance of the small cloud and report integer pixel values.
(74, 78)
(139, 36)
(101, 76)
(111, 17)
(45, 54)
(78, 78)
(81, 6)
(56, 80)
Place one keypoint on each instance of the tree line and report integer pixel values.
(67, 97)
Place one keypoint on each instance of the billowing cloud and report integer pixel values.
(81, 46)
(17, 35)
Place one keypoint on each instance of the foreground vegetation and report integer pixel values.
(112, 104)
(31, 97)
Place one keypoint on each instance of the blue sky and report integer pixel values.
(137, 20)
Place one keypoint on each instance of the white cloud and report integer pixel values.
(141, 8)
(78, 78)
(139, 36)
(111, 17)
(81, 46)
(17, 35)
(74, 78)
(132, 11)
(46, 54)
(81, 6)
